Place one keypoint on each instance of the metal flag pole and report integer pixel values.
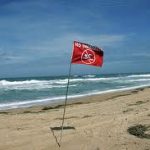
(65, 104)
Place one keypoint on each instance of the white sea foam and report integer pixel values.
(61, 83)
(89, 76)
(28, 103)
(5, 82)
(34, 87)
(42, 84)
(58, 81)
(93, 79)
(139, 75)
(139, 80)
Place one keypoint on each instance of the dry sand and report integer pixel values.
(97, 123)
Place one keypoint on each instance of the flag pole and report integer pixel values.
(65, 104)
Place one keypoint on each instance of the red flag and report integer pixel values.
(86, 54)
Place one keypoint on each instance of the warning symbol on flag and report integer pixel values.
(88, 56)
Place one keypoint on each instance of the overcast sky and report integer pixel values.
(36, 36)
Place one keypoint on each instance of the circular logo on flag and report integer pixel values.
(88, 56)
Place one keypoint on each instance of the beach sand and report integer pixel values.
(97, 122)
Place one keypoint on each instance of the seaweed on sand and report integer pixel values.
(139, 131)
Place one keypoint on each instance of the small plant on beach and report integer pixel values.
(139, 131)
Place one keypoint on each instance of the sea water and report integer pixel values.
(24, 92)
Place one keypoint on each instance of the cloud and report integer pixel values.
(141, 54)
(63, 42)
(67, 39)
(10, 57)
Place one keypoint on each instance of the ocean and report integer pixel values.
(25, 92)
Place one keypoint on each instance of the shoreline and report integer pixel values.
(60, 100)
(90, 98)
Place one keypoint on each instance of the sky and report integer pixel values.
(36, 36)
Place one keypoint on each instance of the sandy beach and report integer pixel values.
(98, 122)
